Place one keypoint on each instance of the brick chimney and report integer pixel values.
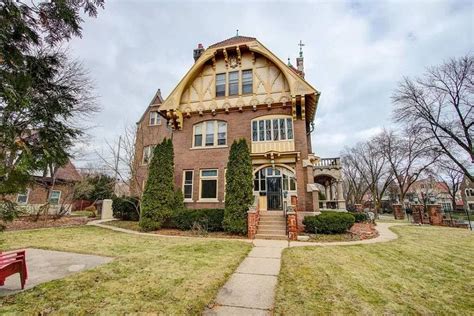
(198, 52)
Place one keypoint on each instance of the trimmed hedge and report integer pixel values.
(209, 219)
(329, 223)
(125, 208)
(360, 217)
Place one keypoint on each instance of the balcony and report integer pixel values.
(328, 163)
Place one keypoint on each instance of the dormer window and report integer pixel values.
(155, 118)
(213, 132)
(247, 81)
(238, 82)
(220, 85)
(234, 83)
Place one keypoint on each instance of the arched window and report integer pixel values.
(210, 134)
(287, 179)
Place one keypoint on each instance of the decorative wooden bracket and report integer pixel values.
(226, 58)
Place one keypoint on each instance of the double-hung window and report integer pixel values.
(54, 197)
(220, 85)
(247, 81)
(208, 188)
(215, 134)
(188, 176)
(22, 198)
(155, 118)
(234, 83)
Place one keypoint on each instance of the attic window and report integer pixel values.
(220, 85)
(155, 118)
(234, 83)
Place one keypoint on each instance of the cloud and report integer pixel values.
(355, 53)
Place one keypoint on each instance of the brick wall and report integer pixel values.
(146, 135)
(238, 126)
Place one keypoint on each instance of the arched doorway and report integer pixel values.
(274, 183)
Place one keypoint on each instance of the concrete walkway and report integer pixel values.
(47, 265)
(251, 289)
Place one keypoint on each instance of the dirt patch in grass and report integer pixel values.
(29, 222)
(149, 275)
(421, 273)
(133, 225)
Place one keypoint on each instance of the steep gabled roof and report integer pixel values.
(233, 41)
(155, 101)
(297, 84)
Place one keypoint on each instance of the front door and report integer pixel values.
(274, 198)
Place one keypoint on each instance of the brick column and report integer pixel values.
(418, 213)
(292, 225)
(398, 212)
(252, 223)
(435, 215)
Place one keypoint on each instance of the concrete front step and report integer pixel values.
(272, 231)
(269, 226)
(268, 236)
(270, 220)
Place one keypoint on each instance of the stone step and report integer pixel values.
(270, 222)
(272, 216)
(272, 231)
(270, 226)
(268, 236)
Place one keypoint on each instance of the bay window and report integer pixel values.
(272, 129)
(215, 134)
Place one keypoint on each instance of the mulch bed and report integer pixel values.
(362, 231)
(28, 222)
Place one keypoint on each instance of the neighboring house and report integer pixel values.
(61, 195)
(467, 194)
(237, 88)
(430, 191)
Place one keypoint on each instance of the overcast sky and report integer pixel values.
(355, 54)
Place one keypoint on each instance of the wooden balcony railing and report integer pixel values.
(328, 163)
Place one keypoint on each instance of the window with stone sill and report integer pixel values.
(188, 176)
(208, 185)
(155, 118)
(272, 129)
(210, 134)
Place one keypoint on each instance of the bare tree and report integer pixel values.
(440, 104)
(122, 161)
(372, 166)
(355, 184)
(451, 175)
(408, 157)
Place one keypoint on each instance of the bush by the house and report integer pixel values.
(329, 223)
(239, 188)
(210, 219)
(125, 208)
(159, 197)
(360, 217)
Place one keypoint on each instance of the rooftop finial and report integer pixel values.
(289, 62)
(237, 32)
(301, 48)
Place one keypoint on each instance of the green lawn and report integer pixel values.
(428, 270)
(149, 275)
